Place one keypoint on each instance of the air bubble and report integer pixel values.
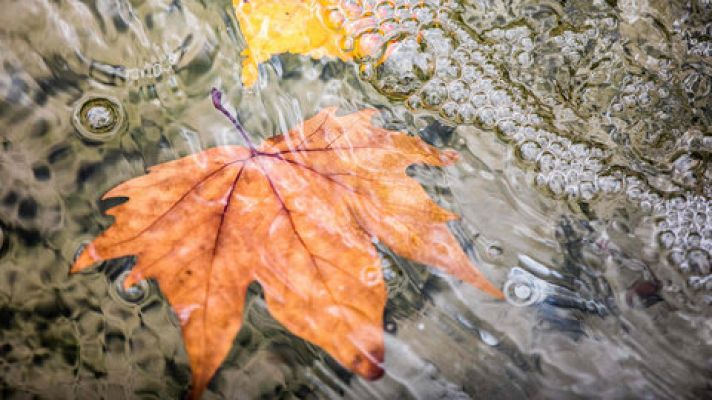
(556, 184)
(369, 45)
(434, 93)
(484, 85)
(449, 110)
(699, 261)
(423, 14)
(466, 113)
(580, 150)
(445, 68)
(461, 56)
(529, 151)
(587, 190)
(507, 128)
(593, 164)
(523, 289)
(334, 19)
(402, 12)
(470, 73)
(693, 240)
(571, 176)
(390, 327)
(707, 233)
(634, 193)
(384, 11)
(98, 119)
(134, 294)
(478, 100)
(524, 58)
(676, 257)
(414, 102)
(556, 148)
(499, 98)
(458, 91)
(486, 117)
(666, 239)
(352, 8)
(494, 251)
(541, 180)
(409, 25)
(546, 162)
(572, 192)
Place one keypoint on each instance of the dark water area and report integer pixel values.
(584, 184)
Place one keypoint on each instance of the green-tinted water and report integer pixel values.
(584, 186)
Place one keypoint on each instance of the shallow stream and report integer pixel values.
(584, 185)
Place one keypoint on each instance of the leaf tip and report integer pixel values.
(86, 258)
(331, 110)
(195, 393)
(369, 112)
(498, 294)
(200, 383)
(488, 287)
(368, 365)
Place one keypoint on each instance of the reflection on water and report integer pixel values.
(584, 186)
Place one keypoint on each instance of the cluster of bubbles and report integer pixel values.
(641, 94)
(565, 169)
(697, 36)
(434, 63)
(517, 43)
(695, 29)
(442, 68)
(572, 44)
(646, 115)
(686, 231)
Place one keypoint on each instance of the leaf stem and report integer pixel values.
(216, 95)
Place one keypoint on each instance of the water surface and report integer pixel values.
(584, 186)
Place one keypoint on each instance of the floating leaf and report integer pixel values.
(299, 214)
(317, 28)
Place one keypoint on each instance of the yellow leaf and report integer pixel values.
(317, 28)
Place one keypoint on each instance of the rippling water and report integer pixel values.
(584, 185)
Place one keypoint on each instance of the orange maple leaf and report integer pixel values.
(298, 214)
